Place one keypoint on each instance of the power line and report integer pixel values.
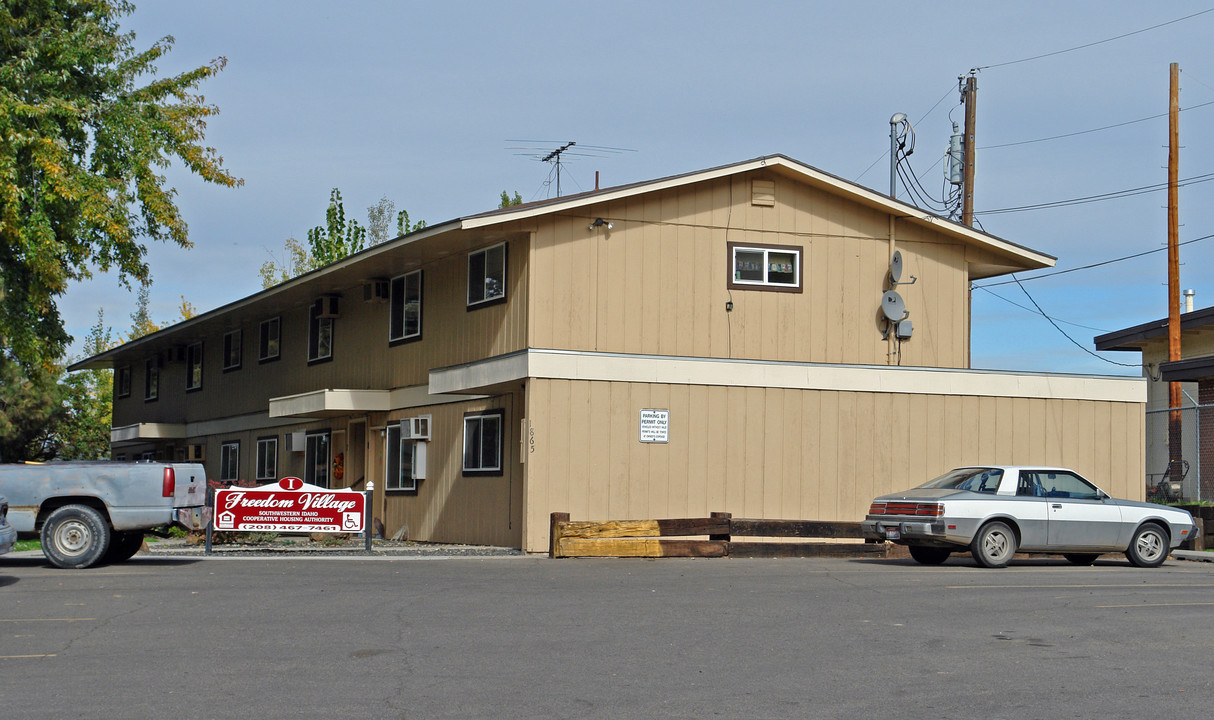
(1088, 267)
(1098, 42)
(1085, 132)
(922, 117)
(1068, 337)
(1029, 309)
(1114, 195)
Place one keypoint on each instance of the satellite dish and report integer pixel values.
(895, 267)
(892, 306)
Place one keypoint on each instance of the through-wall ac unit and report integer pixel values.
(415, 428)
(297, 441)
(376, 290)
(328, 306)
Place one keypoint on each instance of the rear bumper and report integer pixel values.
(907, 532)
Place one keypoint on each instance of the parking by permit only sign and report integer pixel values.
(655, 426)
(290, 505)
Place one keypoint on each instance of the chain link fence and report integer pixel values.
(1175, 470)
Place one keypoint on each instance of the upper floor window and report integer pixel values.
(151, 379)
(232, 355)
(405, 322)
(267, 345)
(320, 328)
(193, 366)
(487, 275)
(122, 381)
(765, 267)
(483, 441)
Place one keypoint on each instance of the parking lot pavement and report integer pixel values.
(527, 637)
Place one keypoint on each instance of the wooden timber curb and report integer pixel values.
(654, 538)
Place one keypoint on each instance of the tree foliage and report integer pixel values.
(30, 403)
(82, 430)
(508, 201)
(295, 261)
(83, 142)
(336, 238)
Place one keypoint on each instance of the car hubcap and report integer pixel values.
(1149, 546)
(995, 545)
(72, 537)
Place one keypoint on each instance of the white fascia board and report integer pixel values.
(147, 431)
(841, 187)
(566, 365)
(327, 401)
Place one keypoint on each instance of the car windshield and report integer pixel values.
(983, 480)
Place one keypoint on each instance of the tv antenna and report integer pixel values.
(540, 150)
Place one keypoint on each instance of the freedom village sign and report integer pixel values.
(290, 505)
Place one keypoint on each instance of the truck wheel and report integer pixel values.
(75, 536)
(123, 546)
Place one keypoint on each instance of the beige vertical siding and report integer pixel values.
(657, 282)
(807, 454)
(362, 357)
(448, 506)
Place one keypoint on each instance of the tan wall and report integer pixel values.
(362, 358)
(448, 506)
(657, 282)
(797, 454)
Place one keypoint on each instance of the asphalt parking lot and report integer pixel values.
(527, 637)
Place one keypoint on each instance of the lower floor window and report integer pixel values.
(267, 458)
(229, 461)
(316, 459)
(483, 442)
(404, 460)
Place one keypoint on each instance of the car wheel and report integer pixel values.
(1149, 548)
(925, 555)
(123, 546)
(1081, 558)
(994, 545)
(75, 536)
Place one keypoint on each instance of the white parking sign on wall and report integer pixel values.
(655, 426)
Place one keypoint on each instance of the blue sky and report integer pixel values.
(418, 101)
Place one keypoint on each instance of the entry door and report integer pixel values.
(1078, 518)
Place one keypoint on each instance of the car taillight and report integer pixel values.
(906, 508)
(169, 484)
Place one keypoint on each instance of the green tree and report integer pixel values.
(402, 223)
(336, 238)
(295, 261)
(85, 128)
(141, 319)
(508, 201)
(82, 430)
(30, 403)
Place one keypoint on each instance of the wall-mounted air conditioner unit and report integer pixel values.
(297, 441)
(419, 460)
(415, 428)
(328, 306)
(376, 290)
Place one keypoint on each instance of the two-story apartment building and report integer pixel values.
(719, 340)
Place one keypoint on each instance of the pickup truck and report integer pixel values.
(98, 511)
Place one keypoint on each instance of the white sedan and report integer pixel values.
(997, 511)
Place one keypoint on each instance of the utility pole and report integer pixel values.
(1174, 394)
(969, 96)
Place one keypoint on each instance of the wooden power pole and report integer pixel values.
(970, 97)
(1174, 393)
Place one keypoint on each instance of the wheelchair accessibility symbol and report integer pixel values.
(351, 520)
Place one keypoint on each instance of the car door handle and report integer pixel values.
(1056, 506)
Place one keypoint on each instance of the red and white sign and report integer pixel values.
(290, 505)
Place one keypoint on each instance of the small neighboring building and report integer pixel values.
(1195, 372)
(714, 341)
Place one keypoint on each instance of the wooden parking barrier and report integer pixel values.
(650, 538)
